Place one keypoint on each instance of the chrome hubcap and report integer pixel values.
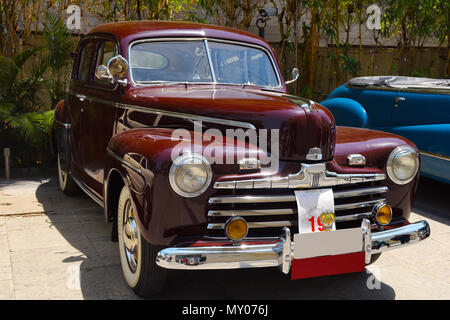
(130, 236)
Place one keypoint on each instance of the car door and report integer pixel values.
(98, 117)
(424, 118)
(76, 103)
(378, 103)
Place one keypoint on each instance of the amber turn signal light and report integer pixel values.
(236, 228)
(383, 213)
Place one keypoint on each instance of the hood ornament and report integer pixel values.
(314, 154)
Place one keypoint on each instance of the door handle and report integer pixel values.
(81, 97)
(397, 99)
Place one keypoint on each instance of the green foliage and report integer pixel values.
(25, 121)
(58, 44)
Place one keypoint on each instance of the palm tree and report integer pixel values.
(22, 124)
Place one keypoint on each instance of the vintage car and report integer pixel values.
(415, 108)
(158, 127)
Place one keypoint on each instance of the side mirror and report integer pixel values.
(118, 66)
(116, 69)
(295, 75)
(102, 72)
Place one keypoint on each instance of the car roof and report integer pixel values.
(129, 31)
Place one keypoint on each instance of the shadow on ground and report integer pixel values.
(433, 200)
(80, 221)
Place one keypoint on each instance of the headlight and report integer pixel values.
(402, 164)
(190, 175)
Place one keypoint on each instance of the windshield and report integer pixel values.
(189, 62)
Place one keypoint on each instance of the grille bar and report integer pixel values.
(247, 213)
(255, 225)
(291, 198)
(356, 205)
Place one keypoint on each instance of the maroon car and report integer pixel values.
(185, 134)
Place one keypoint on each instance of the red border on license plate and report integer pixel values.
(328, 265)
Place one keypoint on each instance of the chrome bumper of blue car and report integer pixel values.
(281, 253)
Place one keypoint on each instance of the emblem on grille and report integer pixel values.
(314, 154)
(327, 219)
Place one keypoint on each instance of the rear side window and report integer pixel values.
(85, 61)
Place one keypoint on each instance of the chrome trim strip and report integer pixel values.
(88, 192)
(352, 217)
(435, 90)
(225, 122)
(160, 112)
(280, 253)
(356, 205)
(291, 198)
(208, 55)
(434, 155)
(255, 225)
(251, 199)
(123, 161)
(271, 212)
(249, 213)
(309, 176)
(359, 192)
(66, 125)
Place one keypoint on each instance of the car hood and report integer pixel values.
(300, 123)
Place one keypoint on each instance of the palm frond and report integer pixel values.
(22, 57)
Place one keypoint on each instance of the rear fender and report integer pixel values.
(60, 135)
(347, 112)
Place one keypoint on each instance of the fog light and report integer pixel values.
(383, 213)
(236, 228)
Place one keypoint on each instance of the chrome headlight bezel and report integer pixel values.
(396, 154)
(189, 159)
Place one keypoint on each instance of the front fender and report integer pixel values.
(143, 158)
(347, 112)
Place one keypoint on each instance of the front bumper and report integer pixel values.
(281, 253)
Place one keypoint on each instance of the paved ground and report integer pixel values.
(56, 247)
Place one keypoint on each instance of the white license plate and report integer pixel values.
(310, 205)
(309, 245)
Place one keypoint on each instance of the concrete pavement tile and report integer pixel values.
(46, 261)
(35, 221)
(115, 273)
(97, 283)
(425, 252)
(6, 290)
(96, 228)
(412, 284)
(107, 250)
(4, 251)
(437, 270)
(5, 272)
(41, 234)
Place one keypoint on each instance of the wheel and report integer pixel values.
(137, 256)
(374, 258)
(66, 183)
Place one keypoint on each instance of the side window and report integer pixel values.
(106, 50)
(85, 61)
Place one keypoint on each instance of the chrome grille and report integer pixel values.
(266, 211)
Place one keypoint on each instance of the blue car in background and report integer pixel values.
(415, 108)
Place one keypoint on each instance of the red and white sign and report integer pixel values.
(310, 205)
